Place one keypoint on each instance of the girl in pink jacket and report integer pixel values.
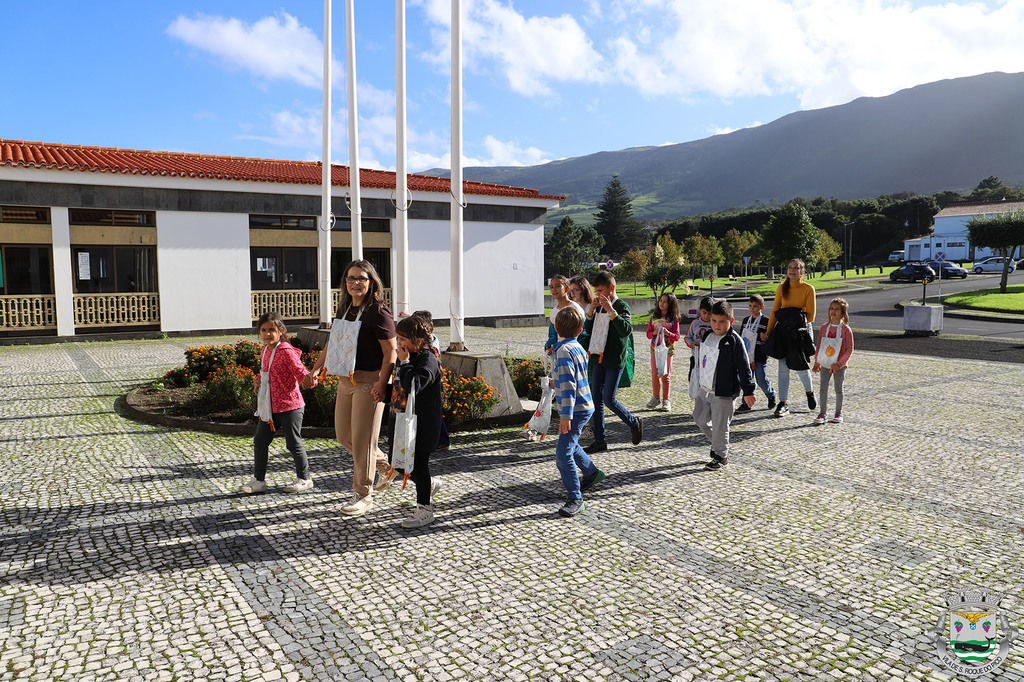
(664, 322)
(832, 352)
(279, 404)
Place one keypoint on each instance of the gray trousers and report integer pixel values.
(713, 415)
(840, 375)
(288, 424)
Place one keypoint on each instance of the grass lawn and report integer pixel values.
(990, 299)
(818, 284)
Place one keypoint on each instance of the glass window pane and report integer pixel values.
(93, 270)
(266, 268)
(339, 259)
(300, 269)
(136, 269)
(26, 270)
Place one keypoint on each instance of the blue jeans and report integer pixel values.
(603, 385)
(762, 379)
(803, 374)
(569, 455)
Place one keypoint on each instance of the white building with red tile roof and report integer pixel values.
(101, 239)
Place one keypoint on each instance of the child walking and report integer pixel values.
(575, 408)
(697, 330)
(420, 371)
(610, 331)
(280, 404)
(724, 372)
(754, 334)
(832, 353)
(664, 322)
(560, 292)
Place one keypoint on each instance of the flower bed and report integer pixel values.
(526, 375)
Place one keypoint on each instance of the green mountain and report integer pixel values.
(944, 135)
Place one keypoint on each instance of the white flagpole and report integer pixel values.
(324, 242)
(457, 308)
(355, 207)
(401, 183)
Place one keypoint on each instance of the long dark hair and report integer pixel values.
(588, 291)
(374, 294)
(673, 306)
(785, 282)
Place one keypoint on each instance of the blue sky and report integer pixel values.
(542, 80)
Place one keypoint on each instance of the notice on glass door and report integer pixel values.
(84, 270)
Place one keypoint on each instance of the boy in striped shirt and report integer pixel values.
(575, 407)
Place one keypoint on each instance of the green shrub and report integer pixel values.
(179, 377)
(247, 354)
(526, 375)
(229, 390)
(203, 361)
(465, 398)
(324, 395)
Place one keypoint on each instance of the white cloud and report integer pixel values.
(278, 47)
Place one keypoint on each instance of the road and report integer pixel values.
(875, 309)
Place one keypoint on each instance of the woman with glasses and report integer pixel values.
(359, 406)
(790, 329)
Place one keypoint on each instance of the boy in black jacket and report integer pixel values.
(724, 371)
(754, 334)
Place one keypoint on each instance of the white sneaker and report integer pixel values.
(653, 403)
(384, 480)
(358, 506)
(435, 486)
(838, 419)
(252, 486)
(299, 484)
(820, 419)
(421, 516)
(666, 405)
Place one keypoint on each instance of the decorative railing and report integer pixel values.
(117, 310)
(296, 304)
(31, 311)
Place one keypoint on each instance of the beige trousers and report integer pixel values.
(357, 426)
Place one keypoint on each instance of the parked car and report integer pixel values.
(895, 256)
(912, 272)
(993, 264)
(949, 270)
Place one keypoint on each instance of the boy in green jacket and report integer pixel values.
(610, 330)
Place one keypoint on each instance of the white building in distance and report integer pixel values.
(950, 233)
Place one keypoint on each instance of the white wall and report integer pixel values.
(503, 268)
(203, 270)
(63, 287)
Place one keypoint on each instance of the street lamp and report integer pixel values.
(847, 246)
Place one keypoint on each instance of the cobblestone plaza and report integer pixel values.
(820, 552)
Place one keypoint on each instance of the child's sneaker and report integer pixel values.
(716, 464)
(420, 516)
(589, 481)
(742, 408)
(384, 480)
(252, 486)
(595, 447)
(299, 484)
(782, 410)
(572, 507)
(820, 419)
(435, 486)
(666, 405)
(811, 402)
(771, 402)
(838, 419)
(653, 403)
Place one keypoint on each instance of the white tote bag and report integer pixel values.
(829, 347)
(341, 346)
(695, 374)
(661, 354)
(599, 333)
(403, 449)
(539, 423)
(263, 408)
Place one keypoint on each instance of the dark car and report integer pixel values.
(949, 270)
(912, 272)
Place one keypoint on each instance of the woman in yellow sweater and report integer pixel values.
(796, 295)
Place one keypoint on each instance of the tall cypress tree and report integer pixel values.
(615, 220)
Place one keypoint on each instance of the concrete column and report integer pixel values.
(63, 273)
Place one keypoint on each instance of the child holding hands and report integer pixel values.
(665, 323)
(279, 404)
(832, 353)
(575, 407)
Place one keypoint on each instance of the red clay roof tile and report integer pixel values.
(140, 162)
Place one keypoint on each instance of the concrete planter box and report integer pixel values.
(922, 320)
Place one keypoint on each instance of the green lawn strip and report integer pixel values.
(990, 299)
(769, 289)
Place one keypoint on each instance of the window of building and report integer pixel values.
(379, 258)
(280, 268)
(950, 245)
(367, 225)
(282, 222)
(113, 269)
(108, 217)
(937, 245)
(24, 214)
(25, 270)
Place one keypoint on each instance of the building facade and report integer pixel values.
(950, 234)
(101, 240)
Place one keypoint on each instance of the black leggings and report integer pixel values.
(421, 476)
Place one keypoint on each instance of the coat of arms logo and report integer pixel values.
(972, 635)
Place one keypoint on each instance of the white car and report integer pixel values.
(993, 264)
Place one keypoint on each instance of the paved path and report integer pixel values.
(818, 553)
